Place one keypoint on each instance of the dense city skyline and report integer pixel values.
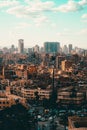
(37, 21)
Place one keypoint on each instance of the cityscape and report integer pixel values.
(43, 64)
(43, 88)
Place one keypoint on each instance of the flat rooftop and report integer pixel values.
(77, 122)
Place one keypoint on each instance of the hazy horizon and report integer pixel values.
(38, 21)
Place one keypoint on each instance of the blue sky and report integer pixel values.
(37, 21)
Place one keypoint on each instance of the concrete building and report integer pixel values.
(70, 96)
(30, 93)
(1, 72)
(46, 60)
(5, 101)
(12, 49)
(70, 48)
(66, 65)
(30, 50)
(65, 49)
(77, 123)
(20, 46)
(59, 59)
(36, 48)
(51, 47)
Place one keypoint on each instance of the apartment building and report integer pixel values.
(71, 96)
(30, 93)
(66, 65)
(4, 100)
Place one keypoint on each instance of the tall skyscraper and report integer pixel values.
(21, 46)
(51, 47)
(70, 48)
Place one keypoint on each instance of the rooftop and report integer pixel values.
(78, 122)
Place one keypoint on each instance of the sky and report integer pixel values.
(38, 21)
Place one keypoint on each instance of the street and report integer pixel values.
(49, 125)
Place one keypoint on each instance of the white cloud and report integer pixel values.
(85, 21)
(35, 8)
(53, 25)
(19, 11)
(83, 2)
(71, 6)
(7, 3)
(22, 25)
(28, 1)
(83, 32)
(65, 32)
(40, 6)
(84, 16)
(62, 34)
(32, 9)
(40, 20)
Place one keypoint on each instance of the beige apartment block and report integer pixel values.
(30, 93)
(5, 101)
(66, 97)
(66, 65)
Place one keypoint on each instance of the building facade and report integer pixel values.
(5, 101)
(30, 93)
(70, 48)
(77, 123)
(51, 47)
(20, 46)
(59, 59)
(66, 65)
(71, 97)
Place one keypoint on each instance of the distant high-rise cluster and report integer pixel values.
(20, 46)
(67, 49)
(47, 48)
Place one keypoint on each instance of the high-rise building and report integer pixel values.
(36, 48)
(70, 48)
(12, 49)
(30, 50)
(20, 46)
(65, 49)
(51, 47)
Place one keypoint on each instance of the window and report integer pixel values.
(3, 102)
